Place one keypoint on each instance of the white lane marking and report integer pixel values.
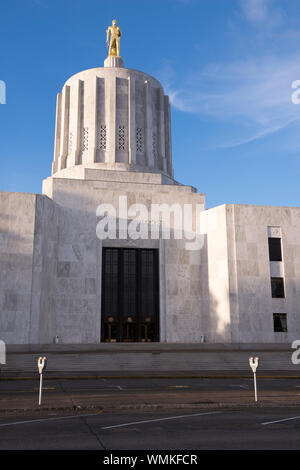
(280, 420)
(44, 388)
(47, 419)
(178, 386)
(240, 386)
(160, 419)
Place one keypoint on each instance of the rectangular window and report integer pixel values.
(280, 322)
(275, 249)
(277, 286)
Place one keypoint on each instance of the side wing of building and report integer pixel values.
(251, 267)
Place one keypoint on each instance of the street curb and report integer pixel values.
(146, 407)
(99, 377)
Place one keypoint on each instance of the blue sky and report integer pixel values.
(227, 65)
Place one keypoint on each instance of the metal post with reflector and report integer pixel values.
(253, 364)
(42, 363)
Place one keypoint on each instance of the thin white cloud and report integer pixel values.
(262, 13)
(259, 135)
(258, 89)
(255, 10)
(255, 93)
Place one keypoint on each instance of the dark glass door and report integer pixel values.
(130, 295)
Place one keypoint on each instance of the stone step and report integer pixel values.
(159, 361)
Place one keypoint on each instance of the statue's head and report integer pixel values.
(114, 22)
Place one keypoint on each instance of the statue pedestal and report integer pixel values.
(113, 61)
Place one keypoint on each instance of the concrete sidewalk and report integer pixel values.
(92, 375)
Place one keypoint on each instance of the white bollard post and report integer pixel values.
(253, 364)
(255, 387)
(42, 362)
(41, 386)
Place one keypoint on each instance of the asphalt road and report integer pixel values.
(146, 384)
(207, 429)
(247, 427)
(63, 392)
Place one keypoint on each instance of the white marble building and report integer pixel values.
(60, 282)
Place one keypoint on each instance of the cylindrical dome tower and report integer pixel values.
(112, 118)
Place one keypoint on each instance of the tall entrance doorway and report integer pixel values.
(130, 295)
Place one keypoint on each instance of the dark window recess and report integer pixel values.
(277, 286)
(280, 322)
(130, 301)
(275, 249)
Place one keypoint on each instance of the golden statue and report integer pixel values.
(114, 43)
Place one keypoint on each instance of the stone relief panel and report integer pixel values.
(122, 138)
(154, 146)
(102, 137)
(274, 232)
(139, 140)
(70, 142)
(84, 141)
